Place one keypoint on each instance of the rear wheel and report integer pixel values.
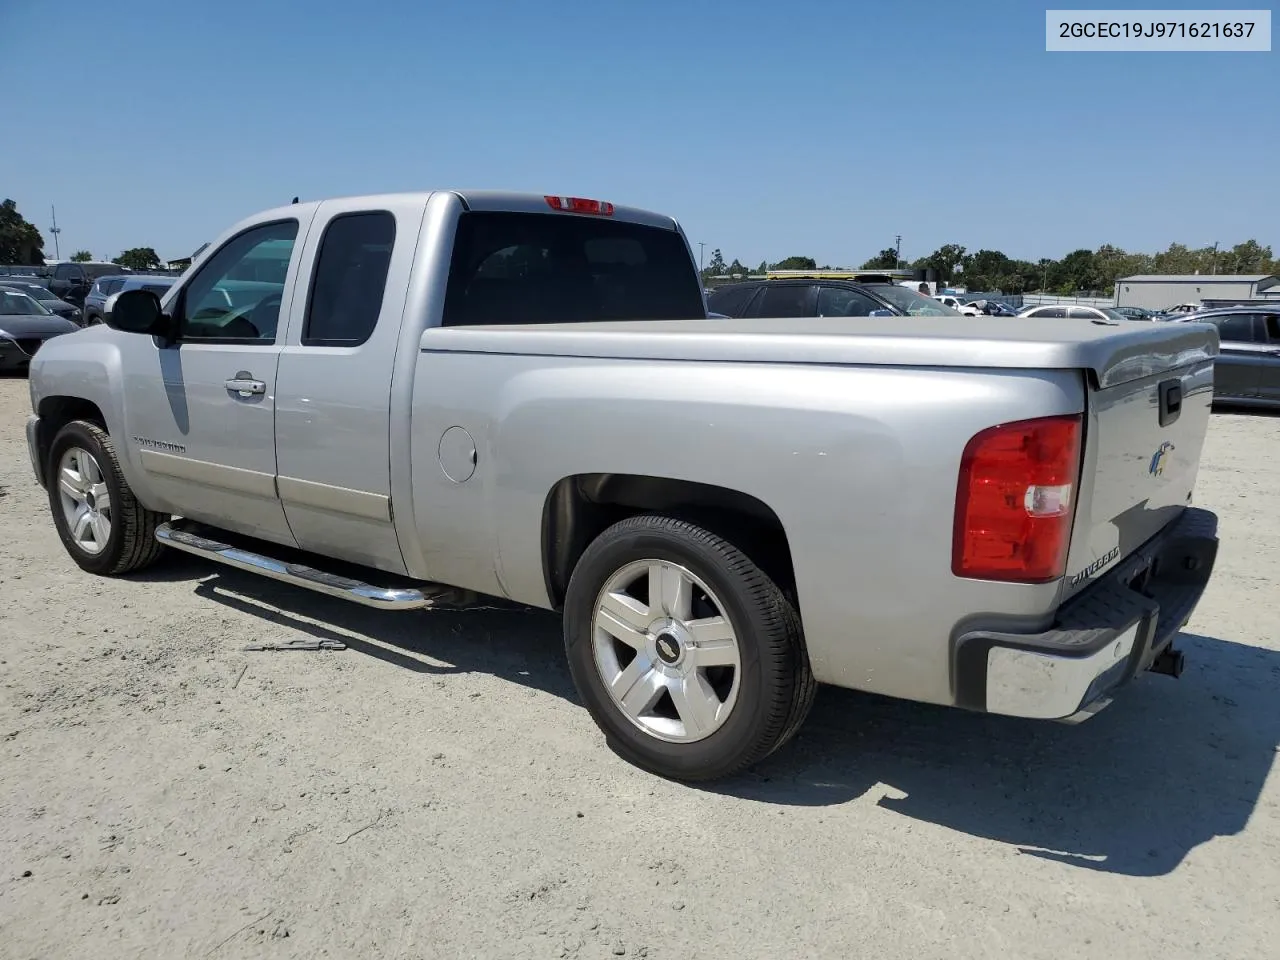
(99, 520)
(687, 655)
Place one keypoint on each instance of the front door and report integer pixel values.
(204, 417)
(333, 415)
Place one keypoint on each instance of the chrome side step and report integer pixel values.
(181, 535)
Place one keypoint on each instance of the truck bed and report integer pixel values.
(1114, 353)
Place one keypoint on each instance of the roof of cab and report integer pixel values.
(495, 200)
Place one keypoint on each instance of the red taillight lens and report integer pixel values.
(580, 205)
(1015, 501)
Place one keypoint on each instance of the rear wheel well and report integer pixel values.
(579, 508)
(56, 412)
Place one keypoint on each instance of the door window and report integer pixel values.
(786, 300)
(236, 295)
(843, 302)
(1083, 313)
(1236, 328)
(1051, 313)
(350, 279)
(731, 300)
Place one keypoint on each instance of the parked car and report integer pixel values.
(23, 271)
(822, 298)
(521, 396)
(991, 308)
(1247, 371)
(1136, 313)
(1073, 311)
(71, 281)
(25, 326)
(956, 304)
(45, 296)
(105, 286)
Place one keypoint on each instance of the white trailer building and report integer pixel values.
(1159, 291)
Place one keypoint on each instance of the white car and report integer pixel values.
(956, 304)
(1074, 311)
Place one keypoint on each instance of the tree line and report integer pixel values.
(1079, 272)
(21, 243)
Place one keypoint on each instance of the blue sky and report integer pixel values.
(768, 129)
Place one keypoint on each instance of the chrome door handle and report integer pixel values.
(245, 385)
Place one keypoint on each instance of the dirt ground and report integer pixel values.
(435, 790)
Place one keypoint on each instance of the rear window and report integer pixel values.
(521, 268)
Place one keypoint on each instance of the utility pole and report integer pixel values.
(897, 257)
(1214, 268)
(57, 255)
(701, 245)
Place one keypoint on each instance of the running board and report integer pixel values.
(181, 536)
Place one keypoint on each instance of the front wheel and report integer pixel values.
(687, 655)
(99, 520)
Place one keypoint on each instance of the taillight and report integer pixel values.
(580, 205)
(1015, 501)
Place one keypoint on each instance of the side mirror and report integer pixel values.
(135, 311)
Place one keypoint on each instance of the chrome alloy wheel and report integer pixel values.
(666, 651)
(86, 502)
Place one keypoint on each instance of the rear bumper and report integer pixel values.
(1101, 639)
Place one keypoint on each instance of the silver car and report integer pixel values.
(104, 287)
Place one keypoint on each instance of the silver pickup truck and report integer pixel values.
(410, 400)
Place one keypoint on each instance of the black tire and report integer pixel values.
(131, 544)
(776, 685)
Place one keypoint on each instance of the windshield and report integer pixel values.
(14, 304)
(912, 303)
(1114, 314)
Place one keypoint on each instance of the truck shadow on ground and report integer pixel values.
(1168, 766)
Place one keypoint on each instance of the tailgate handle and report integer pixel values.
(1170, 401)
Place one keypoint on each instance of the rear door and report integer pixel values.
(1269, 361)
(1237, 375)
(334, 387)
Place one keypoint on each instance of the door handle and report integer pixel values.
(244, 384)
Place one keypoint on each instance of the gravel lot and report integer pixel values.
(435, 791)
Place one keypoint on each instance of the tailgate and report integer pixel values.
(1137, 473)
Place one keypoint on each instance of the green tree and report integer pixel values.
(944, 260)
(81, 256)
(1247, 257)
(886, 259)
(20, 241)
(796, 263)
(737, 268)
(139, 258)
(717, 267)
(763, 268)
(1077, 271)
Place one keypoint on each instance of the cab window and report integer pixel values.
(350, 279)
(237, 293)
